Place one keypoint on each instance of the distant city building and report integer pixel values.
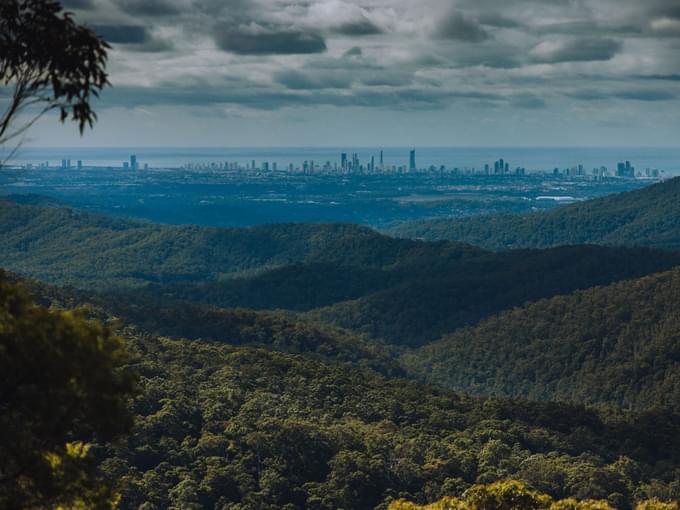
(412, 161)
(133, 162)
(625, 170)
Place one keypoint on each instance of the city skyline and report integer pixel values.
(340, 72)
(351, 164)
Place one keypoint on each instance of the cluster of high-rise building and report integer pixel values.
(350, 164)
(347, 164)
(502, 167)
(133, 164)
(623, 170)
(66, 164)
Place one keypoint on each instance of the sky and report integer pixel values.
(383, 72)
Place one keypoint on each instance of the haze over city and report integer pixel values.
(383, 72)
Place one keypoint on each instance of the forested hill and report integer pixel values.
(276, 331)
(422, 309)
(400, 291)
(645, 217)
(235, 427)
(618, 345)
(68, 246)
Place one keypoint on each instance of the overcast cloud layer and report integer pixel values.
(393, 72)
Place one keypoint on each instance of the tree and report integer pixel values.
(47, 62)
(62, 386)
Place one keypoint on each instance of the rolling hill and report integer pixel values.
(398, 291)
(68, 246)
(617, 345)
(422, 309)
(646, 217)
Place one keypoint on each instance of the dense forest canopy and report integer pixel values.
(235, 427)
(284, 383)
(645, 217)
(618, 344)
(397, 291)
(229, 426)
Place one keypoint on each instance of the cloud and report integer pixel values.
(528, 101)
(456, 27)
(497, 20)
(152, 46)
(667, 27)
(257, 39)
(632, 94)
(148, 7)
(354, 51)
(661, 77)
(576, 50)
(122, 34)
(360, 27)
(77, 4)
(298, 80)
(646, 95)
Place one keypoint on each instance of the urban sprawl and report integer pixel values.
(350, 164)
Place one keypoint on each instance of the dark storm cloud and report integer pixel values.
(267, 41)
(387, 79)
(669, 8)
(259, 98)
(585, 28)
(122, 34)
(148, 7)
(360, 27)
(576, 50)
(457, 27)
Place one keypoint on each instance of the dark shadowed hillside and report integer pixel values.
(617, 345)
(422, 309)
(646, 217)
(276, 331)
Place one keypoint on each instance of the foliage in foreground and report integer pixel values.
(514, 495)
(61, 387)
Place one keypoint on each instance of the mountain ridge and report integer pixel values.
(646, 217)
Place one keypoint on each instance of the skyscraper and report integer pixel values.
(133, 162)
(412, 161)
